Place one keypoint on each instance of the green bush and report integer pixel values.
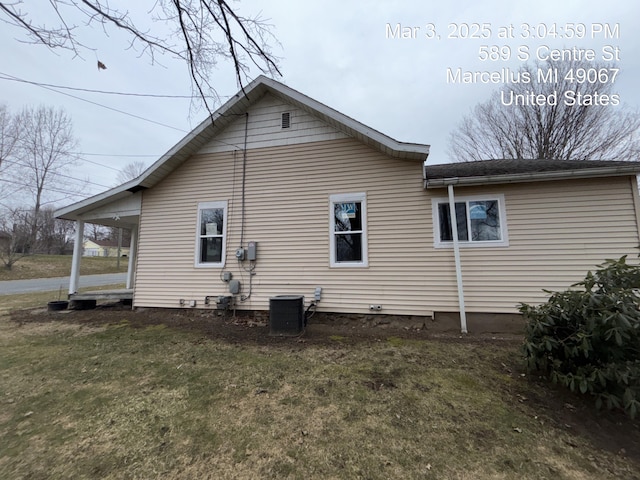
(587, 338)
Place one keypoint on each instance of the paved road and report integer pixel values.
(50, 284)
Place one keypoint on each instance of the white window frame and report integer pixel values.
(204, 206)
(345, 198)
(503, 242)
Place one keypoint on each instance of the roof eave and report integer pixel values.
(244, 98)
(75, 210)
(533, 176)
(237, 104)
(348, 125)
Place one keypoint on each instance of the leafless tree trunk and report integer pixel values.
(14, 236)
(54, 235)
(8, 134)
(96, 232)
(9, 130)
(201, 33)
(45, 152)
(547, 130)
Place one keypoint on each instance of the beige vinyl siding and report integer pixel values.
(287, 213)
(265, 126)
(557, 231)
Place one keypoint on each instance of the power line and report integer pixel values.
(49, 87)
(89, 90)
(11, 162)
(109, 155)
(104, 106)
(49, 189)
(114, 154)
(100, 164)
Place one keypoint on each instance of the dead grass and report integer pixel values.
(117, 402)
(48, 266)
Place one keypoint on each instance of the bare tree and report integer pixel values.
(54, 235)
(130, 171)
(16, 242)
(8, 134)
(201, 32)
(44, 154)
(14, 236)
(539, 119)
(96, 232)
(9, 130)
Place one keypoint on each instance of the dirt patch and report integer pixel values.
(575, 414)
(252, 327)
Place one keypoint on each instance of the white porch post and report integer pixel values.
(456, 252)
(133, 247)
(77, 256)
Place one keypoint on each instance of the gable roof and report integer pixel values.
(487, 172)
(226, 114)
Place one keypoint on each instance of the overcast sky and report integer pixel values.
(341, 53)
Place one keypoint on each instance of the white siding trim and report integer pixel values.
(203, 206)
(348, 197)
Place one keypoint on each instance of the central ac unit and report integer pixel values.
(286, 315)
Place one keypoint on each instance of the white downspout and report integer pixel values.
(133, 247)
(74, 280)
(456, 253)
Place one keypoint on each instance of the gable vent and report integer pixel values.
(286, 120)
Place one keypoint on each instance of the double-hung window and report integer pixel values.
(212, 230)
(481, 221)
(348, 230)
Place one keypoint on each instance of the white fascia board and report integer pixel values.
(73, 211)
(398, 149)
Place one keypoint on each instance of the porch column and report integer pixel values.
(456, 253)
(74, 281)
(133, 247)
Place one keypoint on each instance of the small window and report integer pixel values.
(480, 221)
(348, 225)
(286, 120)
(210, 240)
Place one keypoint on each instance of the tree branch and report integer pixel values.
(195, 22)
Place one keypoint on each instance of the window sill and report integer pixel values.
(501, 244)
(209, 265)
(349, 265)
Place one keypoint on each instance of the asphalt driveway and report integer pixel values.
(49, 284)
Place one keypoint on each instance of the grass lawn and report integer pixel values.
(47, 266)
(118, 398)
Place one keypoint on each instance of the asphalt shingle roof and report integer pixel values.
(486, 168)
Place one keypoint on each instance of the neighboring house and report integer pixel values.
(103, 248)
(286, 195)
